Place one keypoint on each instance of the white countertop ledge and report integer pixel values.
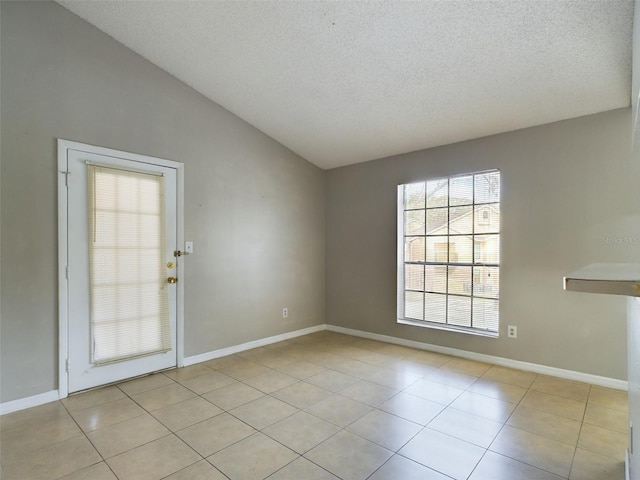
(608, 278)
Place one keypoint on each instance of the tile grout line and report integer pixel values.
(575, 451)
(504, 424)
(89, 440)
(171, 431)
(321, 360)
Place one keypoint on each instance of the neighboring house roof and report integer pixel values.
(452, 223)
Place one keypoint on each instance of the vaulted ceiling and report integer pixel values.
(341, 82)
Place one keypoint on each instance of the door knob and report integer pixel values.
(172, 280)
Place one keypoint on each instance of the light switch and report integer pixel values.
(188, 247)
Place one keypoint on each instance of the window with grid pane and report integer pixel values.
(129, 302)
(449, 252)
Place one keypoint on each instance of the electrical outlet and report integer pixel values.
(285, 312)
(512, 331)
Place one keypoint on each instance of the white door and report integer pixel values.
(121, 270)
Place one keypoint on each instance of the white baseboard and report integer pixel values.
(480, 357)
(53, 395)
(28, 402)
(203, 357)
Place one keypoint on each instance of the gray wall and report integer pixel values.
(635, 77)
(569, 197)
(256, 212)
(254, 209)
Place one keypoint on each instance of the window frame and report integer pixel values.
(474, 264)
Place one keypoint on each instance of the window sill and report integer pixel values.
(448, 328)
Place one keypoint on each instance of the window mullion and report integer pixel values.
(446, 314)
(459, 256)
(473, 240)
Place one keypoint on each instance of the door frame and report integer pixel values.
(63, 249)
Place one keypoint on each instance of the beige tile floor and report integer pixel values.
(325, 406)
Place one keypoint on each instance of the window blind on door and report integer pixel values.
(128, 284)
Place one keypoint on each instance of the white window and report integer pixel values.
(449, 253)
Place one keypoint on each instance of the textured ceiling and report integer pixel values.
(340, 82)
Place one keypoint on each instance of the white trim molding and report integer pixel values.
(35, 400)
(480, 357)
(64, 146)
(28, 402)
(203, 357)
(627, 471)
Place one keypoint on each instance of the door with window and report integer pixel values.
(121, 273)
